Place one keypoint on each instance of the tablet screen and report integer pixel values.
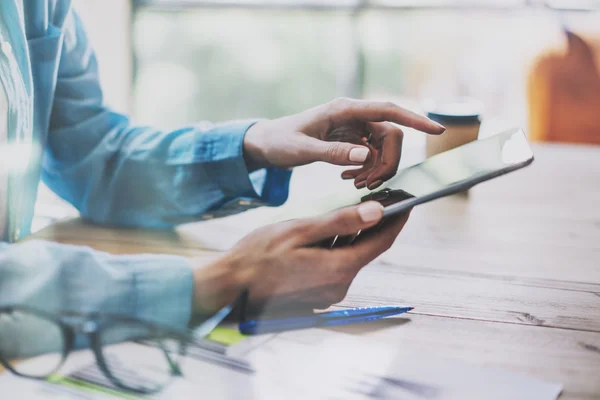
(464, 163)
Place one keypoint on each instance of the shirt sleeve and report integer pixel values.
(60, 277)
(117, 173)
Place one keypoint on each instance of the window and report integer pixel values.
(229, 59)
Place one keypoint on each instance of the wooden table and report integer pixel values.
(508, 277)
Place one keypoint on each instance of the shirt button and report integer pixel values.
(6, 48)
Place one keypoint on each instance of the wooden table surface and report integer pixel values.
(508, 277)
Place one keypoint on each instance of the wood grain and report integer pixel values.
(508, 277)
(488, 298)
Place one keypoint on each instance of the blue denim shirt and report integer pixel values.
(114, 172)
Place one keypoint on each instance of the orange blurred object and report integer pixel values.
(564, 94)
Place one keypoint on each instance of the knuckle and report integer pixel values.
(390, 104)
(340, 103)
(283, 227)
(342, 100)
(387, 175)
(393, 130)
(298, 229)
(346, 223)
(334, 151)
(264, 232)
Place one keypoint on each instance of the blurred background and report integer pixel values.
(173, 62)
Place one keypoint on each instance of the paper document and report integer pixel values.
(312, 363)
(340, 366)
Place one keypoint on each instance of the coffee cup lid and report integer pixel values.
(458, 111)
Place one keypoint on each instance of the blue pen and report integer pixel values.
(352, 316)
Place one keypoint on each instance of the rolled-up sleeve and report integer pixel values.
(118, 173)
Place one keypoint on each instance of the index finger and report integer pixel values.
(346, 110)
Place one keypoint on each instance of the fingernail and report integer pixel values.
(370, 211)
(375, 184)
(360, 185)
(358, 154)
(442, 127)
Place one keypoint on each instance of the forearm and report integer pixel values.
(149, 178)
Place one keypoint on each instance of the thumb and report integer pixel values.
(337, 153)
(345, 221)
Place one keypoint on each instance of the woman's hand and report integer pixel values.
(343, 132)
(282, 268)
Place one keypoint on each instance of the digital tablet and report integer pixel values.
(444, 174)
(454, 171)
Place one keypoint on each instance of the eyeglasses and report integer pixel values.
(151, 359)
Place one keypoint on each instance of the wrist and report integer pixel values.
(217, 284)
(254, 146)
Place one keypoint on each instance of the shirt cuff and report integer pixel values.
(269, 186)
(162, 288)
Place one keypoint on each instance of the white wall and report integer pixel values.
(108, 24)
